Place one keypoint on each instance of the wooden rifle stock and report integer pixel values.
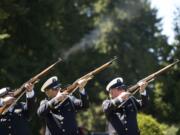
(18, 93)
(73, 87)
(97, 70)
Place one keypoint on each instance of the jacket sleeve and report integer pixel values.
(29, 107)
(46, 106)
(110, 105)
(113, 104)
(143, 102)
(82, 103)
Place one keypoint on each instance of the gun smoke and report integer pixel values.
(107, 22)
(86, 42)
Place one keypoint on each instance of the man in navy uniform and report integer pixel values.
(60, 119)
(123, 120)
(15, 121)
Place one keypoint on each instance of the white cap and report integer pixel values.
(4, 91)
(115, 83)
(50, 83)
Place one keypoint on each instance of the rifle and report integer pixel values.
(73, 87)
(135, 88)
(18, 93)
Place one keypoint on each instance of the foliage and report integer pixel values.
(172, 130)
(150, 126)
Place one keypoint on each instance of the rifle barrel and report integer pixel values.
(152, 76)
(18, 93)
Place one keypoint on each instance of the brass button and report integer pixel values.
(9, 127)
(63, 130)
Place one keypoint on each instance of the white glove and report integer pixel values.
(82, 83)
(29, 87)
(7, 100)
(142, 85)
(61, 96)
(123, 96)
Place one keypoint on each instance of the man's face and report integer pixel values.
(51, 93)
(114, 92)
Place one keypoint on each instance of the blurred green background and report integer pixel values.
(86, 34)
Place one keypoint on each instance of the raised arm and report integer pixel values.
(111, 105)
(29, 106)
(82, 103)
(44, 108)
(143, 102)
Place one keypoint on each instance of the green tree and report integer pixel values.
(150, 126)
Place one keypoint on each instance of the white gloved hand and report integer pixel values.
(82, 83)
(8, 100)
(123, 96)
(142, 85)
(29, 87)
(61, 96)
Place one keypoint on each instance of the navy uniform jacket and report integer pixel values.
(61, 119)
(15, 121)
(123, 121)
